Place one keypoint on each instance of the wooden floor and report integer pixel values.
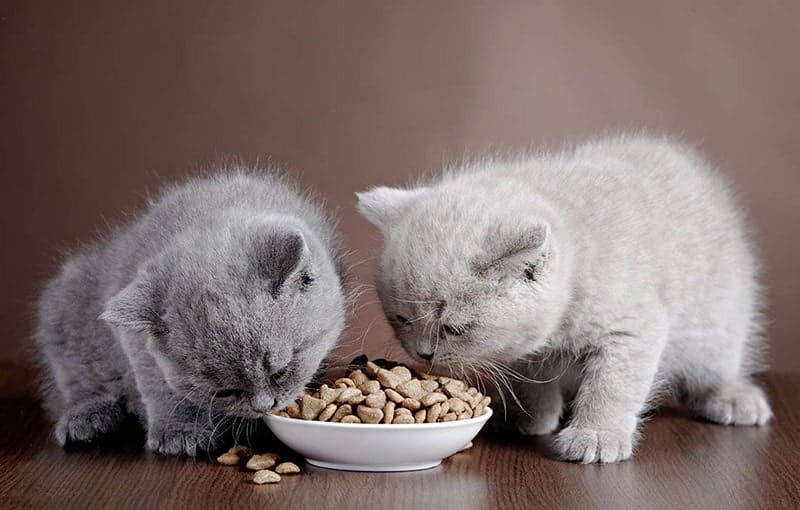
(680, 464)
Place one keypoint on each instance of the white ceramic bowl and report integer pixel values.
(366, 447)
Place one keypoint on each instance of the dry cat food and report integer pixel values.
(389, 393)
(260, 463)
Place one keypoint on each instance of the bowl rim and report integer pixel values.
(487, 413)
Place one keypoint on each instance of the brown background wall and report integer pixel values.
(102, 101)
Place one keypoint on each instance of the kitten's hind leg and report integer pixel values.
(89, 420)
(738, 402)
(717, 386)
(90, 386)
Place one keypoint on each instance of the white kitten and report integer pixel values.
(605, 273)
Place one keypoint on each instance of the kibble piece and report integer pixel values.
(419, 416)
(358, 377)
(229, 459)
(241, 450)
(427, 377)
(329, 395)
(287, 468)
(450, 417)
(402, 373)
(411, 389)
(402, 410)
(262, 461)
(372, 368)
(476, 399)
(410, 403)
(486, 401)
(266, 476)
(370, 387)
(464, 416)
(403, 419)
(433, 413)
(460, 385)
(351, 396)
(478, 411)
(327, 413)
(445, 408)
(344, 382)
(393, 396)
(472, 391)
(388, 412)
(456, 389)
(351, 418)
(311, 407)
(457, 405)
(432, 398)
(387, 378)
(343, 411)
(429, 385)
(466, 446)
(376, 400)
(369, 414)
(293, 410)
(450, 388)
(283, 414)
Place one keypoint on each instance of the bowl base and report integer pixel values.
(376, 468)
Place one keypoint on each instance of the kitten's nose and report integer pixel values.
(262, 404)
(427, 356)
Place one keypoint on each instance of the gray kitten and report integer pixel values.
(221, 300)
(597, 275)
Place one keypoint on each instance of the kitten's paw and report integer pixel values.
(89, 421)
(739, 404)
(587, 445)
(538, 424)
(179, 440)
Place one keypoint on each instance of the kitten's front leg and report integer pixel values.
(540, 394)
(534, 404)
(543, 404)
(175, 426)
(617, 380)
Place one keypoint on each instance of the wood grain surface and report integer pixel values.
(681, 463)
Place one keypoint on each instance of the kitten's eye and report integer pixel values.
(279, 375)
(530, 273)
(228, 393)
(306, 281)
(401, 320)
(454, 330)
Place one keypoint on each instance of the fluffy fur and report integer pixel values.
(593, 276)
(221, 300)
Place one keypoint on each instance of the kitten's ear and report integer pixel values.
(137, 306)
(382, 206)
(511, 248)
(277, 254)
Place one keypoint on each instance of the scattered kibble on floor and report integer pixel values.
(260, 463)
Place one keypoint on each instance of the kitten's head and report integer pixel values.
(465, 278)
(238, 318)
